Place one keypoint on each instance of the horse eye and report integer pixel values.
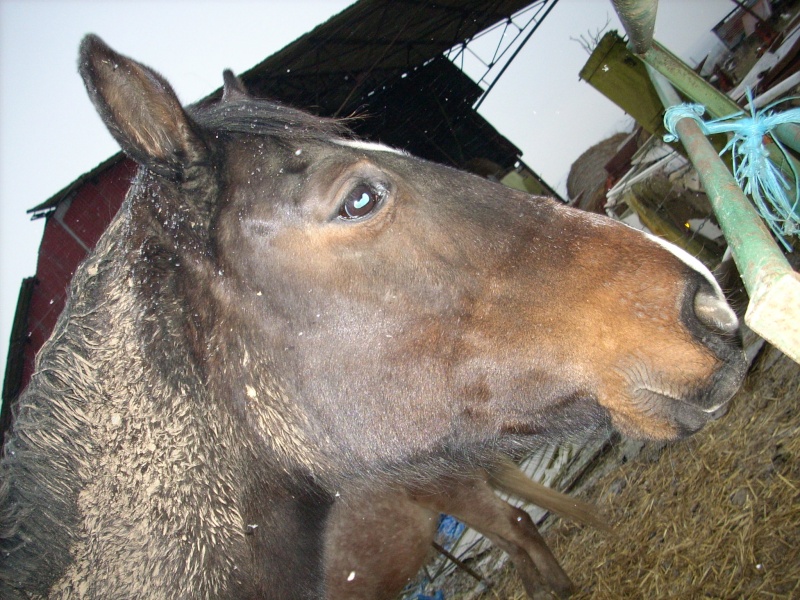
(360, 201)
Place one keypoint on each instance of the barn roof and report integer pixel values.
(49, 205)
(369, 44)
(384, 59)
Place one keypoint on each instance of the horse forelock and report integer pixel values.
(266, 118)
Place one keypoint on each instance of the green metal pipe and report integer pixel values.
(789, 135)
(697, 89)
(773, 287)
(689, 83)
(663, 87)
(738, 219)
(754, 250)
(639, 19)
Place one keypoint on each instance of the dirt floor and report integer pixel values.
(716, 516)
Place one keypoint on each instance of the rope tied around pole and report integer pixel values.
(776, 199)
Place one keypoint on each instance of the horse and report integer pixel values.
(376, 541)
(279, 309)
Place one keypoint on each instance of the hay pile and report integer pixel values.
(716, 516)
(587, 175)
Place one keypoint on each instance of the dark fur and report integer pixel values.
(377, 540)
(233, 352)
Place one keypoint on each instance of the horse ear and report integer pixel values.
(234, 88)
(140, 110)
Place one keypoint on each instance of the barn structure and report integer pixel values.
(390, 63)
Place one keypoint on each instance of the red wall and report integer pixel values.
(91, 210)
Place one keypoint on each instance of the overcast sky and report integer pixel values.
(50, 134)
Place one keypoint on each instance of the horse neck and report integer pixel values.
(116, 475)
(49, 451)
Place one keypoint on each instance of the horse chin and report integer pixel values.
(656, 406)
(664, 416)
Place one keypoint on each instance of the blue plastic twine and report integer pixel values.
(754, 171)
(449, 530)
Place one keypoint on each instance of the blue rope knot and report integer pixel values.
(682, 111)
(753, 169)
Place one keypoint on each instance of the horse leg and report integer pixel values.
(474, 502)
(377, 538)
(375, 543)
(532, 558)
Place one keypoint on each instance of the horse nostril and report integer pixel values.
(715, 313)
(718, 412)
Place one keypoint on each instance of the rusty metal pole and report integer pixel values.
(773, 286)
(699, 90)
(639, 19)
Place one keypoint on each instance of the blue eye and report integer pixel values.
(360, 201)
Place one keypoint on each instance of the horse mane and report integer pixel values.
(50, 443)
(66, 416)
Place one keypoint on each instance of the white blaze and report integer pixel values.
(694, 264)
(372, 146)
